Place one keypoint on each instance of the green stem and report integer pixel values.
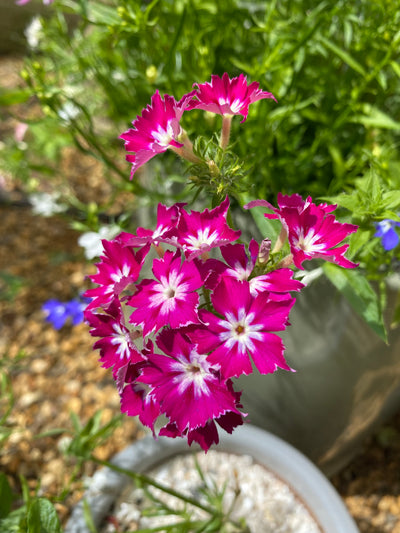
(142, 478)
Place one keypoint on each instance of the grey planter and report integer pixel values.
(347, 380)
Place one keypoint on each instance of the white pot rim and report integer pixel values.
(290, 465)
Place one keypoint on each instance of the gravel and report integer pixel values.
(252, 492)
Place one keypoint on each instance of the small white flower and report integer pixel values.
(68, 112)
(45, 204)
(91, 241)
(33, 32)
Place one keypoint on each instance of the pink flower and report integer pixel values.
(241, 267)
(167, 219)
(188, 389)
(116, 344)
(312, 230)
(135, 398)
(172, 299)
(200, 232)
(120, 267)
(226, 96)
(244, 329)
(156, 130)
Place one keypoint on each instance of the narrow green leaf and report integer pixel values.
(360, 295)
(396, 67)
(42, 517)
(344, 56)
(375, 118)
(6, 496)
(88, 517)
(102, 14)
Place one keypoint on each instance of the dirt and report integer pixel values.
(46, 374)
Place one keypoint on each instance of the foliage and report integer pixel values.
(334, 69)
(34, 515)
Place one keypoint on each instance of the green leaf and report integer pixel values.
(88, 517)
(16, 96)
(6, 496)
(391, 199)
(344, 56)
(373, 187)
(42, 517)
(375, 118)
(360, 295)
(357, 241)
(396, 67)
(102, 14)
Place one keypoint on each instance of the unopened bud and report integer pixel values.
(263, 254)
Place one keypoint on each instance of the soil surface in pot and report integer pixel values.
(248, 491)
(53, 373)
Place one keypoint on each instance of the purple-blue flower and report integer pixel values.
(58, 313)
(386, 230)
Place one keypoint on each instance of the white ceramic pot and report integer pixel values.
(292, 467)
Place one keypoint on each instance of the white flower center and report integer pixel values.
(235, 106)
(162, 136)
(122, 340)
(203, 238)
(307, 242)
(120, 273)
(193, 372)
(168, 291)
(240, 330)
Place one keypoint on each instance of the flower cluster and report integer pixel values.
(158, 128)
(182, 310)
(176, 338)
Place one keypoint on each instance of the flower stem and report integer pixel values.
(226, 131)
(142, 478)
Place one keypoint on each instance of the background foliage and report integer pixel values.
(334, 67)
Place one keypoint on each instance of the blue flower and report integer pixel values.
(386, 230)
(58, 313)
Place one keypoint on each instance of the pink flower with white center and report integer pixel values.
(116, 345)
(167, 219)
(172, 299)
(119, 267)
(241, 268)
(227, 96)
(200, 232)
(156, 130)
(186, 386)
(312, 230)
(244, 331)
